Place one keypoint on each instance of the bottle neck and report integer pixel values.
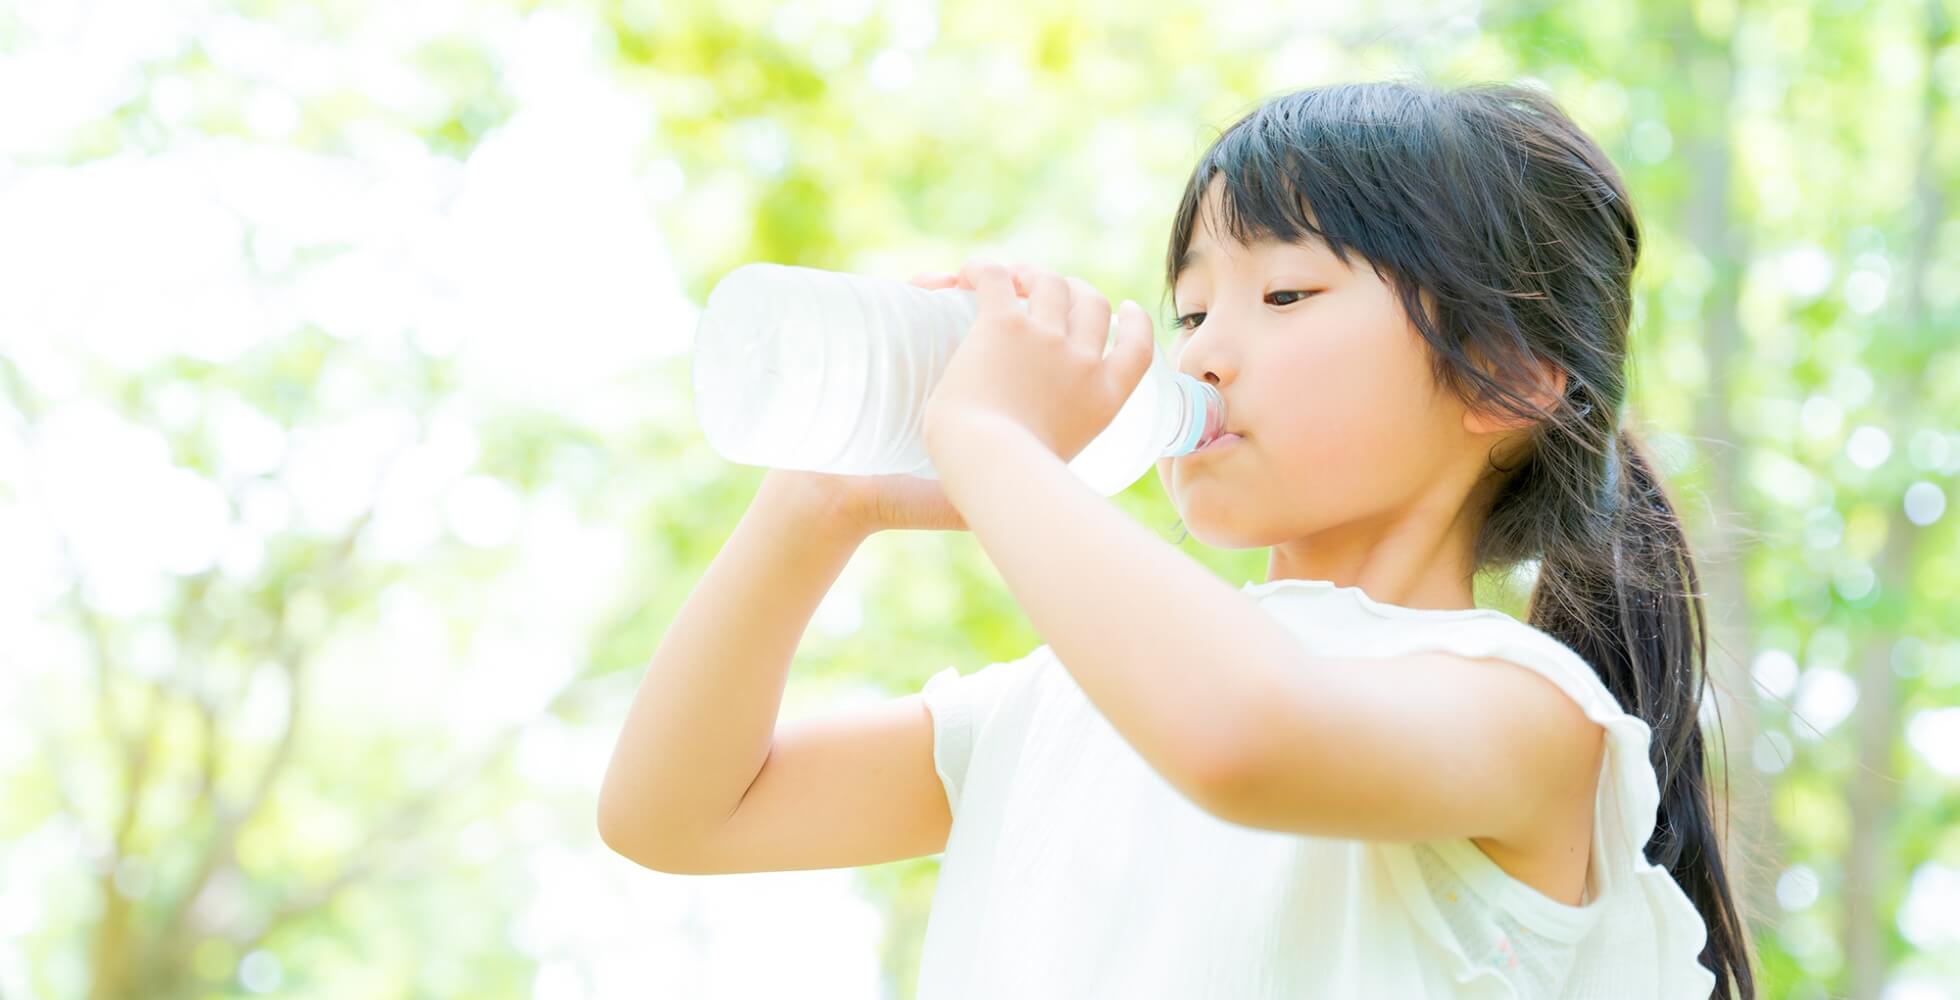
(1201, 416)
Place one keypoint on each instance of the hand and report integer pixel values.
(1042, 371)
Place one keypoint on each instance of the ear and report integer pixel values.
(1548, 390)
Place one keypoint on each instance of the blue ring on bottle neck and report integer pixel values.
(1198, 400)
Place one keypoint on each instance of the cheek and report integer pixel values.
(1367, 406)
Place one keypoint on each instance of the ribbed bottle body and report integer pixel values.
(801, 368)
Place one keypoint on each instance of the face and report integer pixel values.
(1328, 382)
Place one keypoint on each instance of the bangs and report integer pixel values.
(1307, 169)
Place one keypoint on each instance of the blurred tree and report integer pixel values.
(249, 823)
(1905, 348)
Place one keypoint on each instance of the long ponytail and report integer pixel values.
(1633, 608)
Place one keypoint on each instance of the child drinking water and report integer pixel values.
(1345, 781)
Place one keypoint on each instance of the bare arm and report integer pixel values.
(701, 725)
(1224, 702)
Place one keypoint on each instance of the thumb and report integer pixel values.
(1136, 343)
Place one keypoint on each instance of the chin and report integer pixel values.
(1231, 540)
(1224, 530)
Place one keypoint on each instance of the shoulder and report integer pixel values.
(1554, 713)
(1524, 661)
(1550, 703)
(1564, 745)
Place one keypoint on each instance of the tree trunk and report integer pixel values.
(1874, 785)
(1752, 850)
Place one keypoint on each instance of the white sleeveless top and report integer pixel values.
(1073, 870)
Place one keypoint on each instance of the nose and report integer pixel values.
(1199, 355)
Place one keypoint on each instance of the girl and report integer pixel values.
(1346, 781)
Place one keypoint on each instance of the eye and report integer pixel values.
(1183, 322)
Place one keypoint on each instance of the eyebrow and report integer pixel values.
(1191, 256)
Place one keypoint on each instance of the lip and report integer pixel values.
(1222, 442)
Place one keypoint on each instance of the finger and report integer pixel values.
(1024, 278)
(935, 279)
(965, 281)
(1048, 300)
(1088, 316)
(992, 284)
(1136, 344)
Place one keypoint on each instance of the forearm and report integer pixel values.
(1175, 658)
(701, 723)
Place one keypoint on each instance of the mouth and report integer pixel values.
(1224, 440)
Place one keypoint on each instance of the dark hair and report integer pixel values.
(1509, 239)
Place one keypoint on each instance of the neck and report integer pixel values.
(1417, 557)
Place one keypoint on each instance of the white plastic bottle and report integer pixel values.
(801, 368)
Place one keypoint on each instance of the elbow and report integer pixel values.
(612, 827)
(608, 815)
(635, 830)
(622, 816)
(1230, 748)
(649, 852)
(1218, 779)
(626, 832)
(1233, 768)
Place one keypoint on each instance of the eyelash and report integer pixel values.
(1180, 325)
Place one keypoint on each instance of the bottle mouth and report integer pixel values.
(1214, 415)
(1202, 418)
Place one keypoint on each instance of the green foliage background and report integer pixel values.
(1794, 165)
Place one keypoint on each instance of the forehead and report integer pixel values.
(1213, 243)
(1204, 252)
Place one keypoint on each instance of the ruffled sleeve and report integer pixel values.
(963, 706)
(1649, 936)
